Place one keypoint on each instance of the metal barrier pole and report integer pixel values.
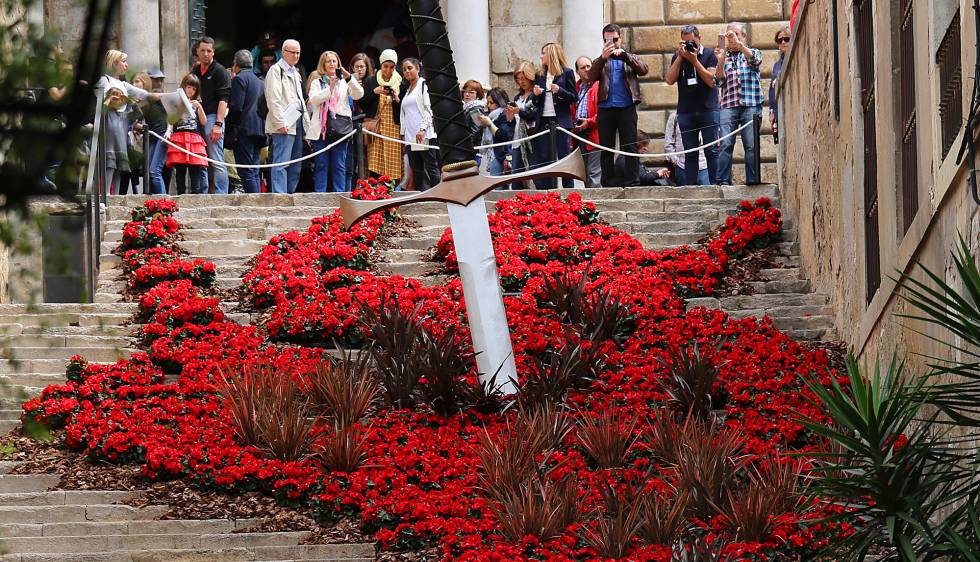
(757, 133)
(359, 148)
(553, 147)
(146, 159)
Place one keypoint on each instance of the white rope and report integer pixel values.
(276, 165)
(477, 148)
(638, 155)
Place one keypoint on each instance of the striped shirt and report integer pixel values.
(741, 84)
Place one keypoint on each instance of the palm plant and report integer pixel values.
(344, 389)
(891, 488)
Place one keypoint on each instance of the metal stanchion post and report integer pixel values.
(553, 146)
(146, 159)
(359, 148)
(757, 133)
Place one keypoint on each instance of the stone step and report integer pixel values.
(26, 366)
(66, 497)
(767, 301)
(420, 243)
(7, 466)
(404, 255)
(707, 215)
(23, 483)
(6, 426)
(11, 415)
(45, 320)
(63, 340)
(307, 553)
(98, 354)
(32, 379)
(21, 329)
(64, 308)
(667, 227)
(166, 527)
(143, 541)
(408, 269)
(77, 513)
(776, 287)
(20, 393)
(667, 240)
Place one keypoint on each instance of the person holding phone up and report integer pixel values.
(693, 70)
(618, 75)
(331, 89)
(741, 95)
(380, 105)
(554, 96)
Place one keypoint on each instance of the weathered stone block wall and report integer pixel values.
(822, 188)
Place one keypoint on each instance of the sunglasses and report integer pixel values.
(782, 40)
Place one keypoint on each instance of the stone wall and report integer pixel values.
(822, 188)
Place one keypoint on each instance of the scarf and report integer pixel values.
(395, 82)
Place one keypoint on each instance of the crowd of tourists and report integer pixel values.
(267, 109)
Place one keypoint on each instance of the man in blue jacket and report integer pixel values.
(246, 89)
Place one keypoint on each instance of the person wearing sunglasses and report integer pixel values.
(782, 41)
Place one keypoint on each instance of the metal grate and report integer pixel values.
(909, 149)
(864, 19)
(949, 59)
(197, 21)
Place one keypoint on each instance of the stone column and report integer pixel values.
(139, 33)
(581, 32)
(469, 32)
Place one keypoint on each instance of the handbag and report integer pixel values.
(370, 124)
(338, 126)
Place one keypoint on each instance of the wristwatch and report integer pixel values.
(219, 124)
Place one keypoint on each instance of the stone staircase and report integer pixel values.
(36, 341)
(38, 524)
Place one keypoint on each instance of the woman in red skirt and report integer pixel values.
(187, 135)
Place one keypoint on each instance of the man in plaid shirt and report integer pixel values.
(738, 78)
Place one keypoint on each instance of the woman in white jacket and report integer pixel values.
(331, 91)
(416, 126)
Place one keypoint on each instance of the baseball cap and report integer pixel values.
(157, 73)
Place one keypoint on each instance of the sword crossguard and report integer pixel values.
(461, 187)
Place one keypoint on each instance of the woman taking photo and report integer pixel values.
(330, 102)
(554, 95)
(524, 110)
(381, 94)
(416, 126)
(782, 41)
(498, 128)
(116, 109)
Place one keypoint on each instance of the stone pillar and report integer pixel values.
(581, 32)
(469, 32)
(139, 33)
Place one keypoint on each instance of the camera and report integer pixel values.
(389, 91)
(690, 46)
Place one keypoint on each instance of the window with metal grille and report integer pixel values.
(864, 23)
(949, 59)
(909, 148)
(196, 21)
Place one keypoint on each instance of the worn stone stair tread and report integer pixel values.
(264, 546)
(25, 483)
(67, 497)
(160, 526)
(85, 512)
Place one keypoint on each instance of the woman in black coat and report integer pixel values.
(554, 99)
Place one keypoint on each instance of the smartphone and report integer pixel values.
(340, 73)
(389, 91)
(512, 103)
(721, 41)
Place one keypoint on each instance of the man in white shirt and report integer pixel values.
(287, 119)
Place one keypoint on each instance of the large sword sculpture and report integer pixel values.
(462, 188)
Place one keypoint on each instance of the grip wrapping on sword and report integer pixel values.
(454, 140)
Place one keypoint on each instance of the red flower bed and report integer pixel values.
(419, 486)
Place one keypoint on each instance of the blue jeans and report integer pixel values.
(284, 148)
(330, 167)
(704, 177)
(699, 129)
(351, 168)
(216, 151)
(732, 119)
(157, 163)
(247, 152)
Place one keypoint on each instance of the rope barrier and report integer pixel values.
(257, 166)
(477, 148)
(432, 147)
(648, 155)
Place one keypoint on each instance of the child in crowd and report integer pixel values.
(187, 136)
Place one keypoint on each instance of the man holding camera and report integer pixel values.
(693, 70)
(738, 78)
(618, 75)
